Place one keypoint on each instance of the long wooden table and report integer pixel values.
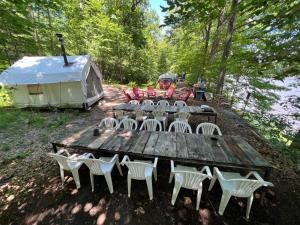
(227, 152)
(194, 110)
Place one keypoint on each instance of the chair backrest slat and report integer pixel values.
(163, 103)
(128, 124)
(134, 102)
(148, 102)
(180, 126)
(109, 123)
(180, 104)
(208, 128)
(151, 125)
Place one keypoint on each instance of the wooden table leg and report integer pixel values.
(267, 175)
(54, 148)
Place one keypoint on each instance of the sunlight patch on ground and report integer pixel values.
(76, 209)
(101, 219)
(87, 207)
(205, 216)
(95, 210)
(117, 216)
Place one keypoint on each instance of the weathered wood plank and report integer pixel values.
(120, 139)
(216, 150)
(104, 135)
(150, 145)
(164, 147)
(140, 142)
(251, 153)
(192, 146)
(133, 136)
(238, 152)
(181, 146)
(204, 149)
(109, 141)
(231, 158)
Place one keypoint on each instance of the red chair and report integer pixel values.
(150, 92)
(185, 96)
(164, 84)
(169, 92)
(127, 95)
(138, 94)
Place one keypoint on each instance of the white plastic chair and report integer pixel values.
(128, 124)
(182, 116)
(102, 166)
(140, 115)
(180, 104)
(134, 102)
(120, 114)
(151, 125)
(233, 184)
(148, 102)
(190, 178)
(208, 128)
(108, 123)
(141, 170)
(163, 103)
(180, 126)
(70, 163)
(161, 116)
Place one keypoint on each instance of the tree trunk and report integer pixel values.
(230, 29)
(81, 6)
(217, 38)
(51, 30)
(235, 88)
(207, 36)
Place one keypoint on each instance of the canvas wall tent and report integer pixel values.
(46, 81)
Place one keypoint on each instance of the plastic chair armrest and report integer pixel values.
(207, 170)
(155, 162)
(218, 174)
(126, 158)
(172, 166)
(115, 158)
(255, 174)
(64, 151)
(258, 177)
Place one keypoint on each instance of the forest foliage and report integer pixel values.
(222, 41)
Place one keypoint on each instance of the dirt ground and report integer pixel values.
(31, 190)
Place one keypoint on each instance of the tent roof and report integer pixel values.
(41, 70)
(168, 75)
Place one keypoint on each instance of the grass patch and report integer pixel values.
(60, 120)
(14, 119)
(18, 120)
(4, 147)
(17, 156)
(5, 97)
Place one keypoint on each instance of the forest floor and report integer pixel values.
(31, 190)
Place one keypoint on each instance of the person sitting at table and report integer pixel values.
(200, 86)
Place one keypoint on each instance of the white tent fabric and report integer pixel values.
(46, 81)
(44, 70)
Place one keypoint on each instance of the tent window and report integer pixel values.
(35, 89)
(93, 84)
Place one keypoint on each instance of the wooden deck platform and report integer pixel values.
(227, 152)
